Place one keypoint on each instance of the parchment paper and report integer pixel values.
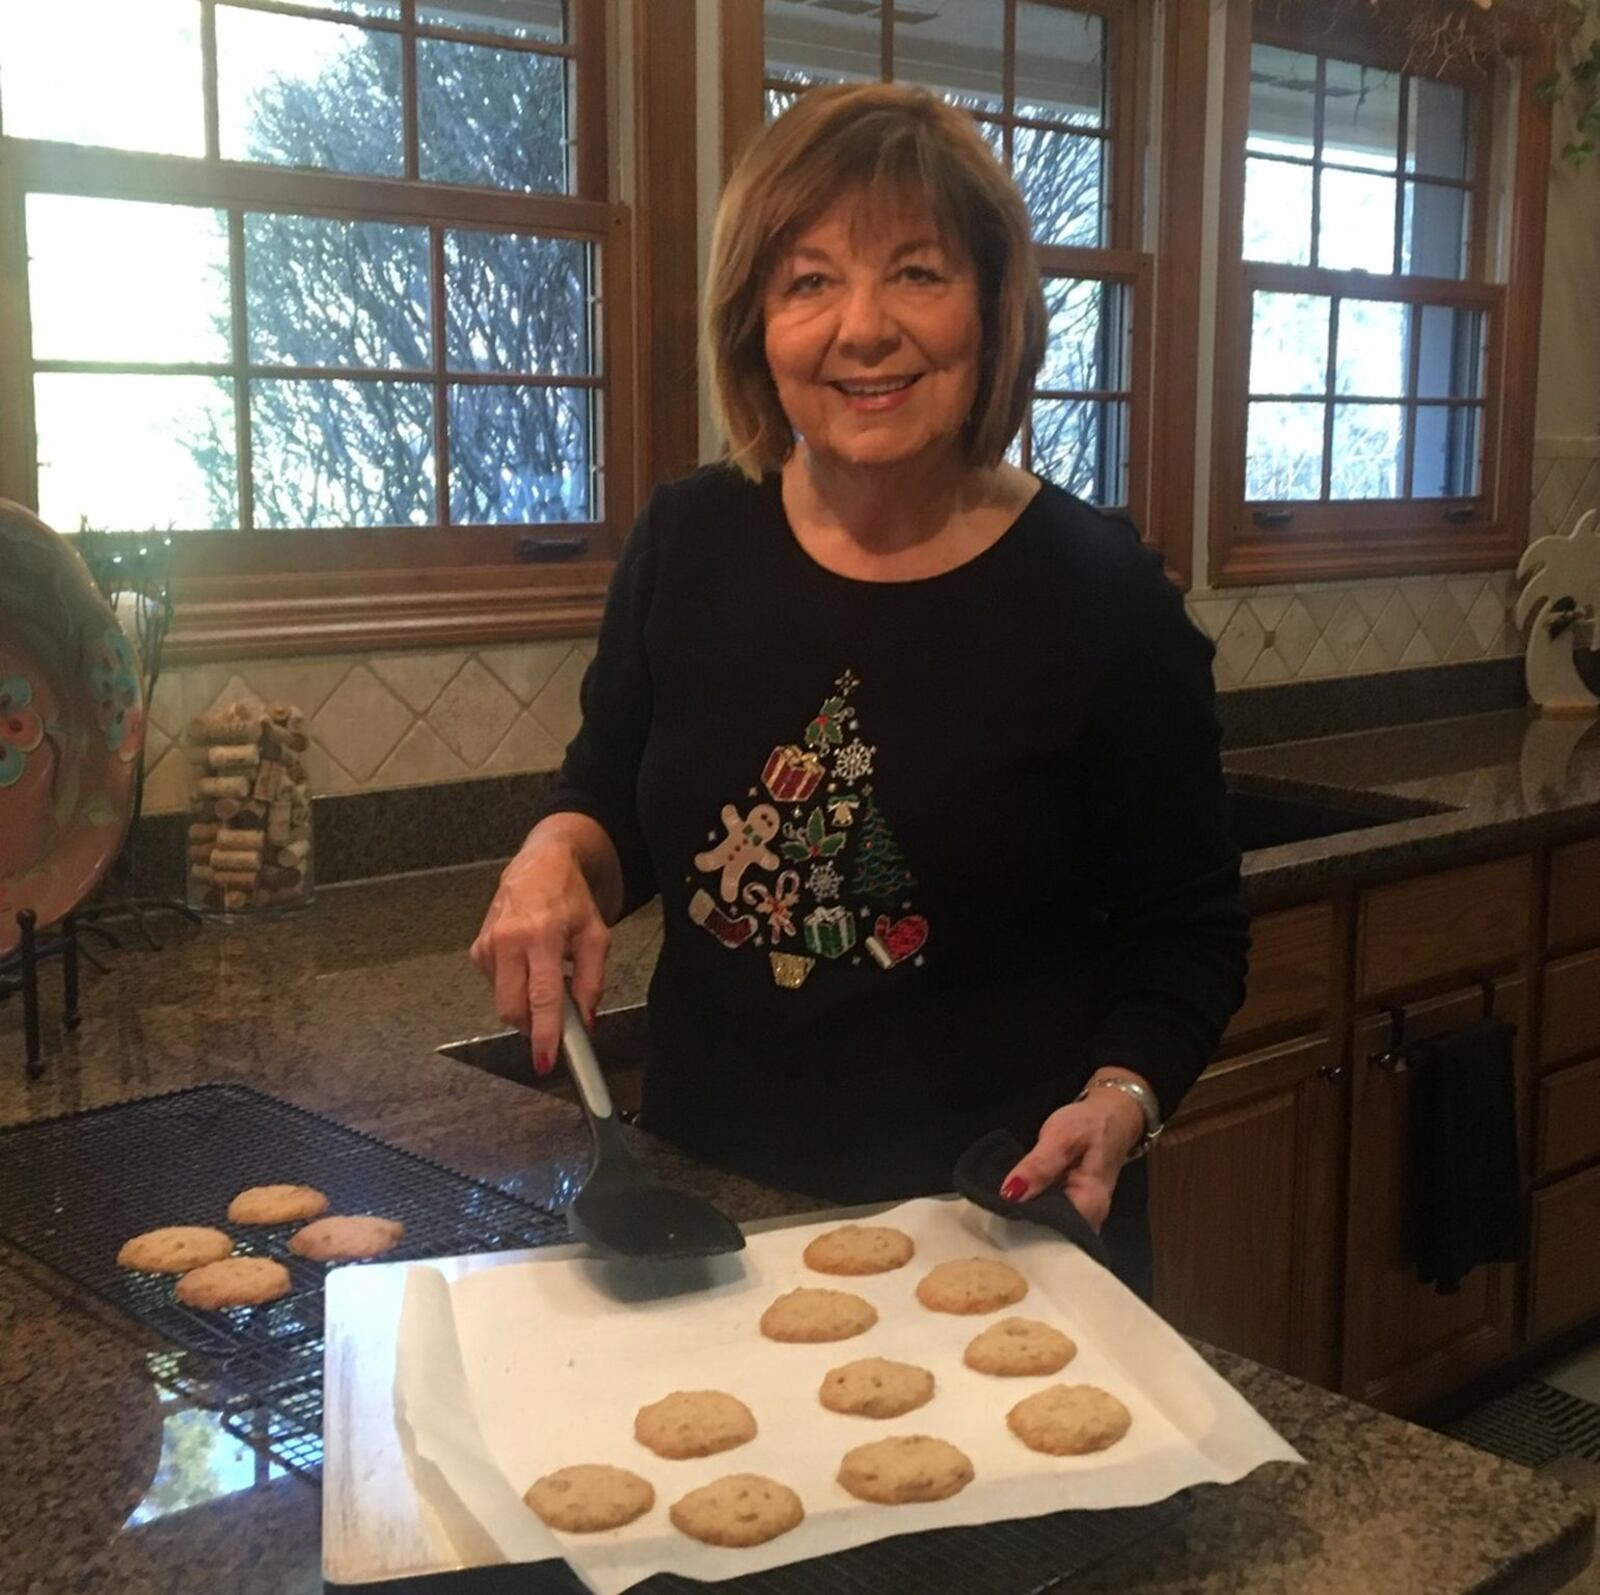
(512, 1372)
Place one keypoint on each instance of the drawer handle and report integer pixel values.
(1334, 1073)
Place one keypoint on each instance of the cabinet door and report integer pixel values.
(1405, 1344)
(1564, 1281)
(1245, 1206)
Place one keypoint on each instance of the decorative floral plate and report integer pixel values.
(71, 726)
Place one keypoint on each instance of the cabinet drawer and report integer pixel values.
(1568, 1118)
(1574, 895)
(1291, 970)
(1454, 923)
(1571, 1026)
(1563, 1279)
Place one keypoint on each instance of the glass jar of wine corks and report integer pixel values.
(249, 833)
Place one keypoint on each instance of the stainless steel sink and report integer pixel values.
(1263, 818)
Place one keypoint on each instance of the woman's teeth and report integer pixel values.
(867, 389)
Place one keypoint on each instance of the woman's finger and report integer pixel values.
(547, 985)
(509, 972)
(1059, 1145)
(589, 949)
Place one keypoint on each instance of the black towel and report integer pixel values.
(1465, 1185)
(979, 1171)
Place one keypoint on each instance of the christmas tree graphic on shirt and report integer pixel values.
(812, 860)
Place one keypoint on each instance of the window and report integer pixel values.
(1052, 88)
(336, 293)
(1359, 349)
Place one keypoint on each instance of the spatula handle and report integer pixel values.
(585, 1067)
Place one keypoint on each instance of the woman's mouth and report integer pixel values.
(876, 393)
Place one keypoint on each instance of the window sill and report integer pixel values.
(340, 611)
(1254, 558)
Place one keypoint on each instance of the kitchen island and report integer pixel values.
(340, 1011)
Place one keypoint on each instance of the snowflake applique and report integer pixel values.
(824, 882)
(853, 762)
(847, 683)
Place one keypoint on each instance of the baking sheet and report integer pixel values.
(512, 1372)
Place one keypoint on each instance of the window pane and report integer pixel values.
(333, 293)
(1277, 212)
(954, 47)
(519, 455)
(354, 8)
(779, 100)
(1450, 362)
(1357, 222)
(1283, 102)
(822, 46)
(518, 19)
(331, 453)
(1284, 453)
(1361, 116)
(994, 137)
(1368, 451)
(515, 303)
(296, 91)
(1372, 348)
(492, 117)
(1439, 140)
(1061, 65)
(169, 298)
(1434, 243)
(1289, 343)
(1062, 177)
(135, 79)
(136, 453)
(1089, 332)
(1449, 440)
(1081, 445)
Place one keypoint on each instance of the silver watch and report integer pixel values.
(1146, 1099)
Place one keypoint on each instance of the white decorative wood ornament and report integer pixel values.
(1563, 597)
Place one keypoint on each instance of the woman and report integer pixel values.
(918, 751)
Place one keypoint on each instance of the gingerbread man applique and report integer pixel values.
(743, 846)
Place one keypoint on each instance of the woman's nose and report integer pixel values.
(866, 329)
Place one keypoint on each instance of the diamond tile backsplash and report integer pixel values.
(420, 716)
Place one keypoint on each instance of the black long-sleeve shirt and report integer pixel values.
(929, 852)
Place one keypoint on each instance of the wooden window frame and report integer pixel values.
(744, 83)
(1346, 538)
(302, 591)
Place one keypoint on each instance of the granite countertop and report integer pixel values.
(339, 1010)
(1505, 780)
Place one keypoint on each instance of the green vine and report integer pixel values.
(1576, 81)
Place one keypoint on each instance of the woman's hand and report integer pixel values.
(543, 915)
(1081, 1148)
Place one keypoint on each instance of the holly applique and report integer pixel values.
(827, 729)
(816, 841)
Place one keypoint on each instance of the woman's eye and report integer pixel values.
(919, 274)
(807, 283)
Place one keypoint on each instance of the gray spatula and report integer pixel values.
(623, 1210)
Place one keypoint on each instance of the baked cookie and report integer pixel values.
(276, 1204)
(739, 1510)
(875, 1387)
(971, 1285)
(859, 1249)
(343, 1240)
(1069, 1420)
(808, 1314)
(176, 1249)
(234, 1282)
(694, 1423)
(589, 1497)
(910, 1467)
(1019, 1347)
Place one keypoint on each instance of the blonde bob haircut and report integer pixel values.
(885, 147)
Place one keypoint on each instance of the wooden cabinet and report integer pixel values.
(1246, 1196)
(1573, 916)
(1564, 1272)
(1404, 1343)
(1567, 1122)
(1571, 1008)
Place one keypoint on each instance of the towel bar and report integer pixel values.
(1396, 1057)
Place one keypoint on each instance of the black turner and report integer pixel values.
(623, 1210)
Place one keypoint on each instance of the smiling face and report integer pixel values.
(873, 333)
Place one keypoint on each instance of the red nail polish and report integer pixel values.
(1014, 1189)
(541, 1063)
(589, 1021)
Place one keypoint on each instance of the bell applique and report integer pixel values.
(789, 970)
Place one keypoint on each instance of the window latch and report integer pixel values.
(561, 545)
(1272, 517)
(1460, 514)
